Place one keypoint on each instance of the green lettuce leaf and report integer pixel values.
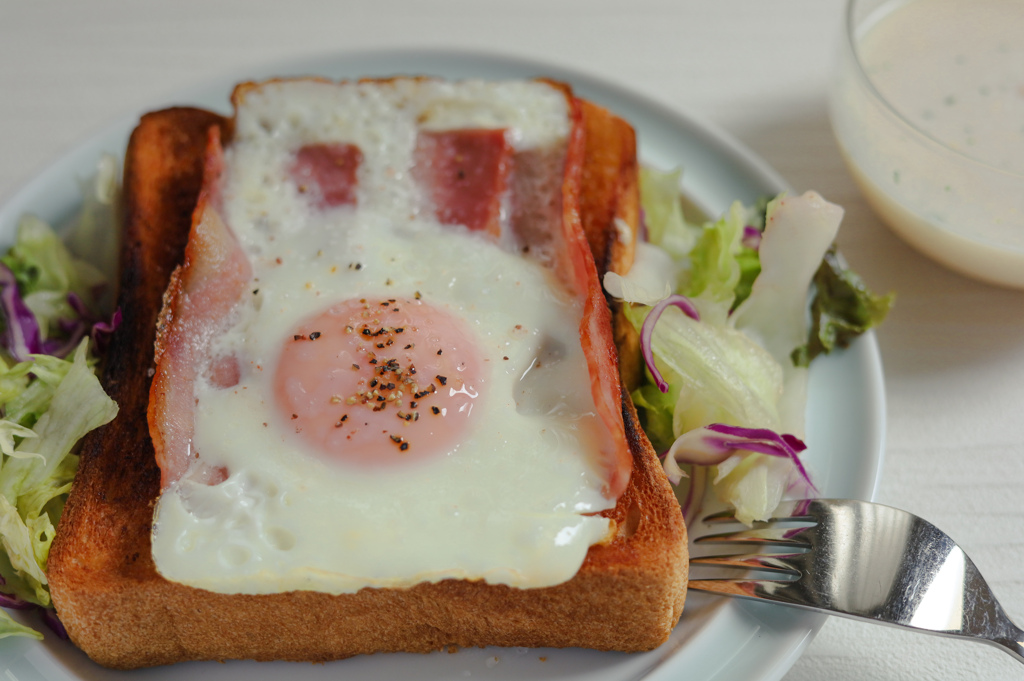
(8, 627)
(715, 375)
(663, 214)
(714, 270)
(842, 308)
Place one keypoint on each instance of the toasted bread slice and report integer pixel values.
(116, 607)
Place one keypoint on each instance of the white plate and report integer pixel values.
(715, 639)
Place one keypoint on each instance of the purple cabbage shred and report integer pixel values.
(15, 603)
(51, 620)
(647, 331)
(21, 336)
(751, 237)
(21, 331)
(715, 443)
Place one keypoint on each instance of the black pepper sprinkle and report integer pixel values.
(435, 410)
(409, 346)
(297, 337)
(295, 416)
(356, 367)
(255, 291)
(404, 446)
(443, 380)
(314, 335)
(440, 351)
(344, 417)
(424, 393)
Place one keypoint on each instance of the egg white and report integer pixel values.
(511, 503)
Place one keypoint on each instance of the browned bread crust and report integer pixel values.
(627, 596)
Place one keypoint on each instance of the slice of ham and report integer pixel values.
(202, 292)
(328, 173)
(465, 173)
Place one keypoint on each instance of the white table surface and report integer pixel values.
(953, 349)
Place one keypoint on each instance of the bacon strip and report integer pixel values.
(328, 172)
(466, 172)
(596, 325)
(201, 294)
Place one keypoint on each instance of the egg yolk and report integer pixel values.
(379, 381)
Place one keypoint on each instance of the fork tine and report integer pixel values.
(750, 561)
(720, 518)
(783, 537)
(749, 588)
(792, 511)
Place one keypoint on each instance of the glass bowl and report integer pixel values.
(927, 105)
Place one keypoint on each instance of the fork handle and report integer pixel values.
(1013, 645)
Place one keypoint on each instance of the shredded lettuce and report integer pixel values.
(741, 363)
(54, 305)
(46, 273)
(38, 473)
(663, 214)
(714, 269)
(717, 374)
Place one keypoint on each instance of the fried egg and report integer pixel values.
(400, 395)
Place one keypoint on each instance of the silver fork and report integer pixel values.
(864, 561)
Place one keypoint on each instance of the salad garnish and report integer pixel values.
(55, 314)
(722, 313)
